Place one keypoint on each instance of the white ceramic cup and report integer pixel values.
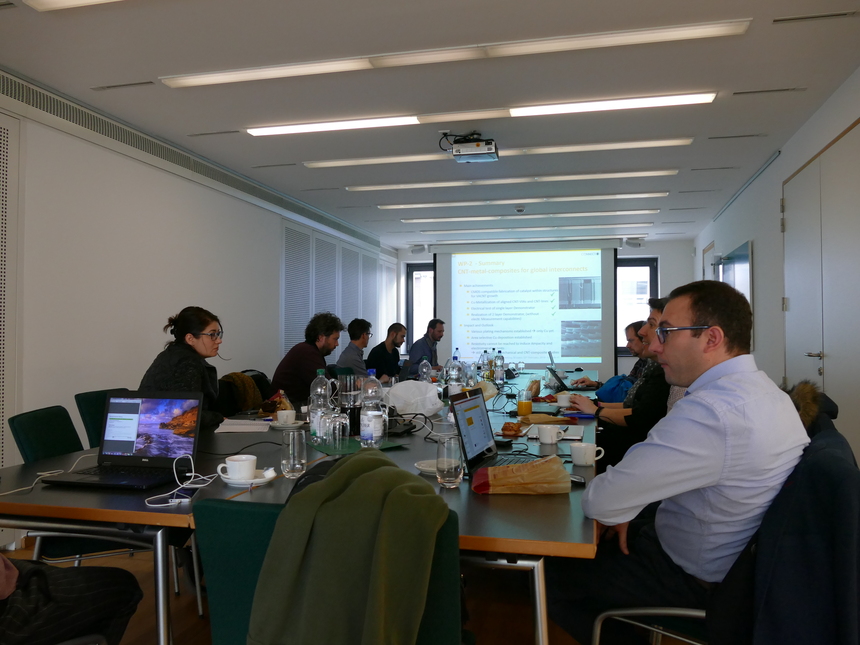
(239, 467)
(549, 434)
(563, 400)
(286, 417)
(585, 454)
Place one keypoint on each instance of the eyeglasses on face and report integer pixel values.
(369, 334)
(662, 333)
(213, 335)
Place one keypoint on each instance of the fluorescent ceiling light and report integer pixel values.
(264, 73)
(514, 152)
(517, 180)
(534, 228)
(333, 125)
(530, 200)
(573, 238)
(453, 54)
(52, 5)
(535, 110)
(480, 218)
(622, 38)
(615, 104)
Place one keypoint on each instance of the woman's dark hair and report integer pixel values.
(191, 320)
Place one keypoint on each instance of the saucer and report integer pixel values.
(257, 481)
(426, 467)
(274, 425)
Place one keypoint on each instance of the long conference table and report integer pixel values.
(503, 531)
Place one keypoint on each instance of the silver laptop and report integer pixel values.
(142, 436)
(476, 434)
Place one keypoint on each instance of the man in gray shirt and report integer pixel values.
(353, 354)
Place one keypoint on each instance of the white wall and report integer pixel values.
(110, 247)
(755, 216)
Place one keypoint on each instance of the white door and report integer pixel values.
(804, 342)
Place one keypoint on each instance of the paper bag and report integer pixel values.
(545, 476)
(537, 418)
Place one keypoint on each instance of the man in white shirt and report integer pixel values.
(714, 463)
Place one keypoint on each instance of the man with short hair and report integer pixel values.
(634, 345)
(385, 357)
(425, 347)
(714, 463)
(353, 354)
(298, 368)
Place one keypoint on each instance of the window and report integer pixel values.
(635, 282)
(420, 299)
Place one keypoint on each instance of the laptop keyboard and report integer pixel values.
(137, 471)
(507, 461)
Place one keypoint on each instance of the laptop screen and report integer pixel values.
(473, 421)
(150, 427)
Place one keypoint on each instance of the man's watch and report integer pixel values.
(597, 412)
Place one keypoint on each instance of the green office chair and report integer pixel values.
(233, 538)
(91, 406)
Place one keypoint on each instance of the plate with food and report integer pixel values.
(513, 429)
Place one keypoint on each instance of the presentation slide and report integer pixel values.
(528, 303)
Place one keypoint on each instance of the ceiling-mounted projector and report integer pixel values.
(475, 151)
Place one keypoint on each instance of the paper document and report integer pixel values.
(242, 425)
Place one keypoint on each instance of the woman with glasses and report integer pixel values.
(182, 366)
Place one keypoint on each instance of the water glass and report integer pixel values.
(449, 461)
(521, 366)
(294, 456)
(335, 429)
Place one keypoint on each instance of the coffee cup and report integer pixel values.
(585, 454)
(286, 417)
(239, 467)
(549, 434)
(563, 400)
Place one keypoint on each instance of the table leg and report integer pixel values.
(162, 587)
(531, 563)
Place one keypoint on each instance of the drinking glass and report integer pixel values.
(521, 366)
(524, 402)
(335, 429)
(449, 461)
(294, 456)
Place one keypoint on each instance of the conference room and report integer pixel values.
(131, 190)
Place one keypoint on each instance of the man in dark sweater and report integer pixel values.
(385, 357)
(298, 368)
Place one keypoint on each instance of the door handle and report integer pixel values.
(814, 354)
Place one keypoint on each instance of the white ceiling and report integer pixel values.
(135, 41)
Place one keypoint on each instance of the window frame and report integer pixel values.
(412, 268)
(653, 265)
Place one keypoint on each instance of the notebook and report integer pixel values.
(476, 434)
(142, 435)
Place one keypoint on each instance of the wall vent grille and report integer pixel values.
(66, 110)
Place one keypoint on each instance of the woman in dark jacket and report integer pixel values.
(182, 366)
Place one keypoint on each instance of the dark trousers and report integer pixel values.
(51, 605)
(579, 590)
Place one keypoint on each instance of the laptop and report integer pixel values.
(142, 434)
(562, 386)
(476, 434)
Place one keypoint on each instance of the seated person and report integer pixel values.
(634, 345)
(625, 424)
(385, 357)
(298, 368)
(714, 464)
(43, 605)
(182, 367)
(425, 347)
(353, 354)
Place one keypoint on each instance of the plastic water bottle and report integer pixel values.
(446, 376)
(318, 402)
(424, 370)
(374, 413)
(456, 378)
(499, 367)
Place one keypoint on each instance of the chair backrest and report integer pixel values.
(44, 433)
(807, 579)
(233, 538)
(91, 406)
(264, 384)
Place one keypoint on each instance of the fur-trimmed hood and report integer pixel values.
(811, 403)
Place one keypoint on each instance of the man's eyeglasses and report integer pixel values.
(214, 335)
(662, 333)
(369, 335)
